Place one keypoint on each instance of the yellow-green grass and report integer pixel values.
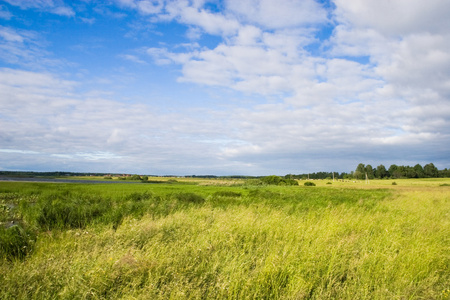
(382, 183)
(329, 242)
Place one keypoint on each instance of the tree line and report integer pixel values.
(380, 172)
(395, 171)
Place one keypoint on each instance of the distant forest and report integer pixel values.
(380, 172)
(32, 174)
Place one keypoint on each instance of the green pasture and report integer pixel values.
(213, 239)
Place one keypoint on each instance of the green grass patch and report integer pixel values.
(170, 241)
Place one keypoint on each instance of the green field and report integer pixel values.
(218, 239)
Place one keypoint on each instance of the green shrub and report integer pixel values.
(227, 194)
(309, 183)
(189, 198)
(277, 180)
(64, 209)
(15, 242)
(63, 213)
(139, 196)
(394, 183)
(254, 182)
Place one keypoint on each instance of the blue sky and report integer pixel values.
(251, 87)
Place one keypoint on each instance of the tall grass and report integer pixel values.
(239, 243)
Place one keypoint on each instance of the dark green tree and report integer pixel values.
(419, 171)
(360, 171)
(430, 170)
(444, 173)
(394, 171)
(381, 172)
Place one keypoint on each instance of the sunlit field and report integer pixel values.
(225, 239)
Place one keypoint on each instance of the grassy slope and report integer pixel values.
(342, 241)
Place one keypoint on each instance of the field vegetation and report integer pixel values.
(225, 239)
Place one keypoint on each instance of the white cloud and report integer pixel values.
(332, 103)
(53, 6)
(211, 23)
(24, 48)
(275, 14)
(395, 18)
(10, 35)
(419, 61)
(4, 13)
(18, 151)
(132, 58)
(65, 128)
(63, 11)
(145, 7)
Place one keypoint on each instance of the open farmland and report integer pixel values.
(212, 239)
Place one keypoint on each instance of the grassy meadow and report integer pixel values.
(213, 239)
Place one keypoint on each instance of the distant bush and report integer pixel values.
(277, 180)
(394, 183)
(107, 177)
(309, 183)
(329, 183)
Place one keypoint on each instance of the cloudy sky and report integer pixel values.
(251, 87)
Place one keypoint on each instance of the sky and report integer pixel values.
(233, 87)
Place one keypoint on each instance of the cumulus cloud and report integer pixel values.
(376, 87)
(275, 15)
(61, 127)
(209, 22)
(339, 100)
(395, 18)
